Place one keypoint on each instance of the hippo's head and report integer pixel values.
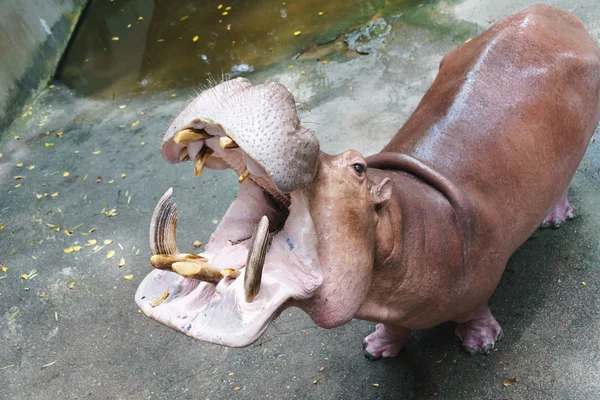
(300, 233)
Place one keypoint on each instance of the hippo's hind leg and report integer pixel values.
(561, 212)
(386, 342)
(480, 333)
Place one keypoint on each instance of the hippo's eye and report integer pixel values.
(359, 168)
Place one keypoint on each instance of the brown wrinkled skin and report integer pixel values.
(489, 150)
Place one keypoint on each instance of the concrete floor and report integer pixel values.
(74, 330)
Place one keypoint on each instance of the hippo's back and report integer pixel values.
(510, 115)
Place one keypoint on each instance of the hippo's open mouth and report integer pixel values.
(264, 251)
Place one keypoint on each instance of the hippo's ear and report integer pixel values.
(382, 191)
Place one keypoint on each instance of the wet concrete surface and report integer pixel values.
(74, 331)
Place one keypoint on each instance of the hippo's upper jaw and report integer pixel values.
(252, 265)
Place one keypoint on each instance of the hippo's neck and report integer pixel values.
(431, 218)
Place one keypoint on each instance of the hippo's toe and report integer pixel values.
(479, 334)
(385, 344)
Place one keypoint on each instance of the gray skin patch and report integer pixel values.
(262, 120)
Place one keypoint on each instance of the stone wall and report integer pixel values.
(33, 37)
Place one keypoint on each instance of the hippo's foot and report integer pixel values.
(480, 333)
(560, 213)
(386, 342)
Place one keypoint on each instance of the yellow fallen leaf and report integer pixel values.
(140, 18)
(51, 86)
(24, 276)
(128, 277)
(123, 176)
(237, 388)
(92, 241)
(584, 284)
(184, 18)
(128, 25)
(19, 164)
(66, 173)
(110, 254)
(18, 185)
(48, 144)
(123, 106)
(76, 151)
(376, 384)
(59, 134)
(96, 152)
(174, 95)
(227, 8)
(108, 241)
(54, 194)
(76, 248)
(110, 183)
(17, 137)
(219, 6)
(115, 38)
(297, 33)
(142, 143)
(224, 13)
(0, 155)
(121, 262)
(509, 382)
(92, 230)
(320, 13)
(137, 121)
(1, 227)
(18, 177)
(85, 178)
(195, 38)
(69, 232)
(231, 373)
(39, 196)
(4, 269)
(31, 167)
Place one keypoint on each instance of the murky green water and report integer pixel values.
(126, 47)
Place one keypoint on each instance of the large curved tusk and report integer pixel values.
(256, 259)
(163, 226)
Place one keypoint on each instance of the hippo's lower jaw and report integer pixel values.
(219, 309)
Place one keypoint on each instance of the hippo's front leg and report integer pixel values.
(480, 332)
(386, 342)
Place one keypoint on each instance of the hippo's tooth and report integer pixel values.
(227, 143)
(230, 273)
(256, 259)
(201, 160)
(183, 154)
(189, 135)
(197, 270)
(163, 226)
(245, 174)
(165, 261)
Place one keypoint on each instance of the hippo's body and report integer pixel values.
(487, 154)
(420, 237)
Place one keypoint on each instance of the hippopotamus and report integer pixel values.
(411, 237)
